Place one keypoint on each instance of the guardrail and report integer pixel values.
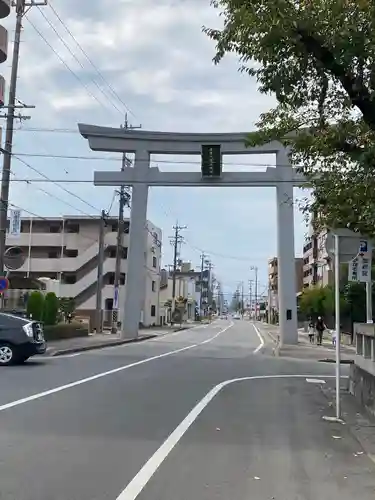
(365, 346)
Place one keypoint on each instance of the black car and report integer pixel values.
(20, 338)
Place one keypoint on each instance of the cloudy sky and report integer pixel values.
(151, 60)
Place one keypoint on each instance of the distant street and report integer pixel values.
(204, 414)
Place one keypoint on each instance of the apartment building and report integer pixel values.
(315, 260)
(273, 280)
(66, 249)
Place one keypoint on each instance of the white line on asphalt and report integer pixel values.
(261, 339)
(138, 483)
(43, 394)
(315, 381)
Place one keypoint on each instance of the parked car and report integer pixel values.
(20, 338)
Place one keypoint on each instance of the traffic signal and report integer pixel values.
(211, 161)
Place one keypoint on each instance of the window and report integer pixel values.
(71, 253)
(126, 227)
(53, 255)
(153, 311)
(122, 278)
(70, 279)
(54, 229)
(154, 262)
(112, 253)
(114, 227)
(73, 228)
(124, 253)
(153, 286)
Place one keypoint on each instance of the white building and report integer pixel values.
(315, 260)
(187, 286)
(66, 249)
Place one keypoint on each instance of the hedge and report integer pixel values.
(65, 331)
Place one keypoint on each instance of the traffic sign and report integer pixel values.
(4, 284)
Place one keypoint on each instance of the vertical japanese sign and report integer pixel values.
(15, 223)
(360, 267)
(353, 270)
(364, 261)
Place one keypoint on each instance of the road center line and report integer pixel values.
(138, 483)
(43, 394)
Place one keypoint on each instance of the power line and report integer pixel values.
(100, 74)
(77, 59)
(85, 86)
(168, 162)
(41, 217)
(57, 184)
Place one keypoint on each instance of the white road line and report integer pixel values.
(261, 339)
(43, 394)
(315, 381)
(138, 483)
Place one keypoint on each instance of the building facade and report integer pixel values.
(273, 281)
(315, 260)
(65, 250)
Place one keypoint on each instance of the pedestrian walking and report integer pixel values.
(334, 337)
(320, 327)
(311, 331)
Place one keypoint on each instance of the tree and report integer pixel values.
(318, 59)
(50, 308)
(34, 306)
(317, 301)
(67, 305)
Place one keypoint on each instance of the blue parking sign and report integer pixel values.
(363, 246)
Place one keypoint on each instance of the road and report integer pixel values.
(201, 414)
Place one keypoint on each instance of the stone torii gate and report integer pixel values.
(210, 147)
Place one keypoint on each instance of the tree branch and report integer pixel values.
(358, 93)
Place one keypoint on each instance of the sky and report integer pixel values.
(92, 62)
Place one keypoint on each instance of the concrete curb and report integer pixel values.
(101, 345)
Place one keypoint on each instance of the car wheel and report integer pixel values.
(7, 354)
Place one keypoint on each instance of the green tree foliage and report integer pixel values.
(318, 59)
(67, 305)
(50, 308)
(317, 301)
(34, 306)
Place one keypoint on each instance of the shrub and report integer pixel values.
(50, 309)
(34, 307)
(65, 331)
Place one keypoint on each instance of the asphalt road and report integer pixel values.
(201, 414)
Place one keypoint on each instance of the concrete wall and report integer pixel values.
(362, 387)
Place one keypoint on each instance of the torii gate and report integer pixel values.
(210, 147)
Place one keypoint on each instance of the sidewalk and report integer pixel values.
(305, 350)
(100, 340)
(358, 421)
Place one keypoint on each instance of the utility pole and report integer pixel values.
(176, 240)
(255, 268)
(99, 280)
(251, 298)
(203, 258)
(242, 299)
(22, 6)
(124, 202)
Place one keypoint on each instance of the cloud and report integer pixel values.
(152, 60)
